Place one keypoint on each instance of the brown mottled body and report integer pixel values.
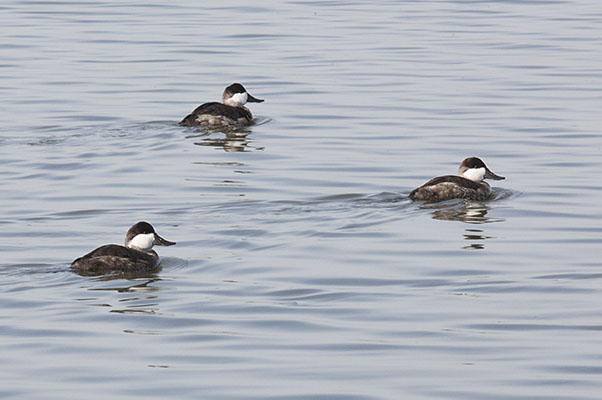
(451, 187)
(214, 113)
(113, 257)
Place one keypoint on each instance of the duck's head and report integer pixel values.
(236, 95)
(474, 168)
(142, 236)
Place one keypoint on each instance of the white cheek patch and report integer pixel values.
(238, 100)
(142, 241)
(475, 174)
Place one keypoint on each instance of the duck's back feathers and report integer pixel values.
(215, 113)
(455, 179)
(112, 257)
(451, 187)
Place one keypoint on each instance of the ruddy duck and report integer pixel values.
(136, 256)
(231, 111)
(468, 184)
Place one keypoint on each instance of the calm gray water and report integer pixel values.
(301, 269)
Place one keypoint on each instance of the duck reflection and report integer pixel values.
(470, 212)
(477, 236)
(139, 295)
(230, 144)
(234, 139)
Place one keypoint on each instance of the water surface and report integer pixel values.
(302, 270)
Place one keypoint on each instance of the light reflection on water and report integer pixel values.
(302, 269)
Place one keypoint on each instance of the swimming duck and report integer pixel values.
(468, 184)
(231, 111)
(136, 256)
